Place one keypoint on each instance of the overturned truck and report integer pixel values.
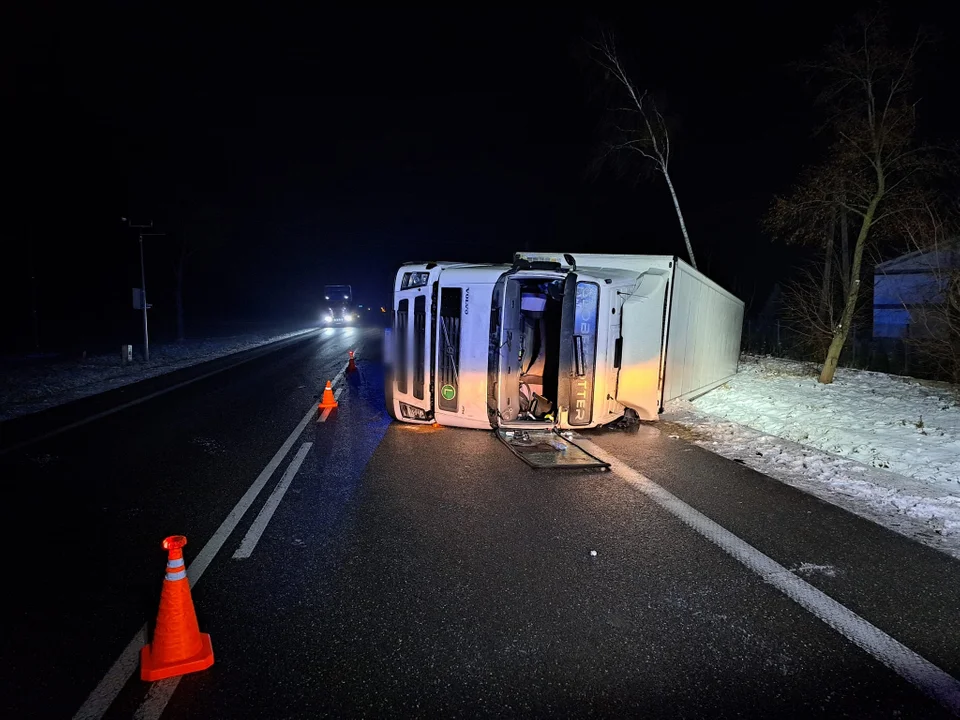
(555, 340)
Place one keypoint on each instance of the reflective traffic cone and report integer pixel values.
(352, 365)
(178, 646)
(328, 400)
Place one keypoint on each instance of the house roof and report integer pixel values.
(945, 256)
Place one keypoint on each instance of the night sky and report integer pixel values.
(297, 150)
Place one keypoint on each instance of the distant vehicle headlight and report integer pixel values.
(328, 318)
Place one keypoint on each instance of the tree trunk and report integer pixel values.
(850, 305)
(826, 289)
(845, 249)
(683, 225)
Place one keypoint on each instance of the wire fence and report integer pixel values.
(896, 356)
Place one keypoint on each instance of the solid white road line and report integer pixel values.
(157, 698)
(112, 683)
(252, 537)
(109, 687)
(326, 413)
(924, 675)
(161, 692)
(337, 379)
(205, 556)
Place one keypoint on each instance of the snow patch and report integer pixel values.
(812, 569)
(884, 421)
(882, 446)
(29, 388)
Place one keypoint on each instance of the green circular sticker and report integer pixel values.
(449, 392)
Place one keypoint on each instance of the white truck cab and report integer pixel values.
(555, 341)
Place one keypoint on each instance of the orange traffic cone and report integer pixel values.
(328, 400)
(178, 646)
(352, 365)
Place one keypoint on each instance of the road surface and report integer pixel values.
(361, 567)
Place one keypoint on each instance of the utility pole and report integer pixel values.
(143, 283)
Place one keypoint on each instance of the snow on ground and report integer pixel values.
(28, 388)
(882, 446)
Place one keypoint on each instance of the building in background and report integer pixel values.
(908, 290)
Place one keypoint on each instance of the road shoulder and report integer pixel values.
(904, 588)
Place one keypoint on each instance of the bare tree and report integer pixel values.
(640, 126)
(813, 302)
(815, 226)
(826, 283)
(874, 169)
(808, 313)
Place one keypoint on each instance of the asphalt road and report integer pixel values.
(422, 571)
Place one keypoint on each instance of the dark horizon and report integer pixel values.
(330, 147)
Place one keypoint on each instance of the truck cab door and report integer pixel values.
(642, 337)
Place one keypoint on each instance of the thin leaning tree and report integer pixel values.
(639, 126)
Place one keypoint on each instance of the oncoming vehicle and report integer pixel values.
(339, 310)
(337, 317)
(555, 340)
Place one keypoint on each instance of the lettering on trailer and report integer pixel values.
(585, 352)
(531, 257)
(580, 404)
